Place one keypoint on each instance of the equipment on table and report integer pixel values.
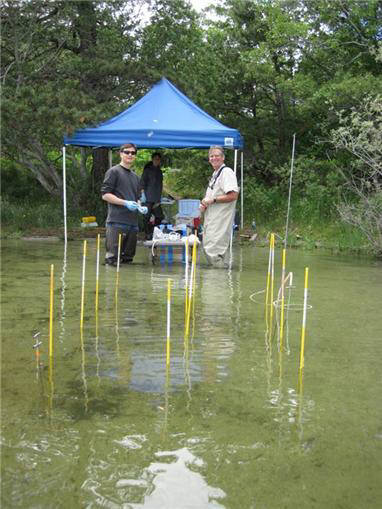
(188, 213)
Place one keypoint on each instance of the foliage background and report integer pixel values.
(271, 69)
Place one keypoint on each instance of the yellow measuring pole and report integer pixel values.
(302, 347)
(51, 295)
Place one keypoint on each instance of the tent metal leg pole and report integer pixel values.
(110, 154)
(234, 169)
(64, 192)
(242, 191)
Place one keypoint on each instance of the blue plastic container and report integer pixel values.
(188, 208)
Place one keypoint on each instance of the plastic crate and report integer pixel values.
(89, 219)
(188, 208)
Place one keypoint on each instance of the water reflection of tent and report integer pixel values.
(163, 118)
(173, 481)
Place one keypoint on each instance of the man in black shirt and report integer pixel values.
(152, 185)
(121, 190)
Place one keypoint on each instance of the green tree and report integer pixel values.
(170, 44)
(65, 65)
(359, 134)
(338, 67)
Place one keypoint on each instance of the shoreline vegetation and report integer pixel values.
(305, 242)
(331, 238)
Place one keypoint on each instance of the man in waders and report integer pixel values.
(218, 206)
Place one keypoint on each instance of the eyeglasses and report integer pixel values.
(129, 152)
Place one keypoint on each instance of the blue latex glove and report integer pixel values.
(143, 197)
(142, 210)
(131, 205)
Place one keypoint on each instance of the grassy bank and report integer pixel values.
(26, 218)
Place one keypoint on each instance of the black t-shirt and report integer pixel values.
(152, 182)
(125, 184)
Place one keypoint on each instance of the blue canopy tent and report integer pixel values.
(162, 118)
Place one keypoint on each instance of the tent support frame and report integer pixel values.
(64, 193)
(110, 164)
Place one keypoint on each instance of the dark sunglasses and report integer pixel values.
(131, 152)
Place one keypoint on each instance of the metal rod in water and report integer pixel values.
(83, 285)
(168, 321)
(282, 300)
(290, 192)
(302, 347)
(51, 295)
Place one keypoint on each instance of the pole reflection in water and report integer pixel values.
(51, 311)
(63, 289)
(186, 368)
(217, 321)
(51, 386)
(118, 265)
(280, 388)
(83, 285)
(98, 361)
(268, 360)
(166, 403)
(289, 288)
(116, 325)
(281, 332)
(300, 396)
(168, 321)
(83, 371)
(97, 276)
(39, 373)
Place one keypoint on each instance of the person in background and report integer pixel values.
(121, 190)
(218, 206)
(152, 186)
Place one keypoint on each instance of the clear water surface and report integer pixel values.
(226, 426)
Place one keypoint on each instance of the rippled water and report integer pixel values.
(106, 425)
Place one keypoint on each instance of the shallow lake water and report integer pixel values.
(105, 424)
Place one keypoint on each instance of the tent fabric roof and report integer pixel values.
(163, 118)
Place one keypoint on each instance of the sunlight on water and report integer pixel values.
(227, 424)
